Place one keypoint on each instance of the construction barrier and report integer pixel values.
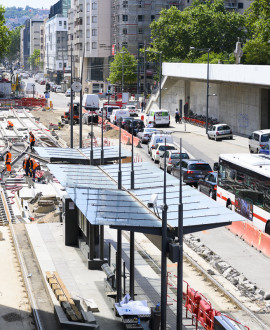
(23, 102)
(252, 235)
(197, 305)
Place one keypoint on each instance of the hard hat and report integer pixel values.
(26, 157)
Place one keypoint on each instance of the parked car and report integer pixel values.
(172, 158)
(258, 139)
(158, 117)
(220, 131)
(42, 82)
(192, 170)
(145, 134)
(264, 150)
(159, 150)
(137, 124)
(208, 185)
(125, 122)
(67, 93)
(158, 138)
(58, 89)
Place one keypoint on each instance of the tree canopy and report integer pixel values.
(123, 60)
(4, 33)
(202, 25)
(34, 59)
(13, 51)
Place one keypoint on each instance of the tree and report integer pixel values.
(256, 52)
(125, 60)
(34, 59)
(257, 20)
(4, 34)
(13, 51)
(202, 25)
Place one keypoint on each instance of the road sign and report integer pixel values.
(76, 86)
(47, 95)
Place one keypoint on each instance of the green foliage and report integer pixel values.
(4, 33)
(257, 20)
(256, 52)
(13, 52)
(216, 58)
(34, 59)
(202, 25)
(122, 60)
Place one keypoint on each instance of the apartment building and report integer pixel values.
(31, 39)
(56, 52)
(21, 47)
(90, 34)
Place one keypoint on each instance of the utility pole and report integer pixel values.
(71, 101)
(144, 76)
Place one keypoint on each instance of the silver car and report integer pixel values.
(220, 131)
(146, 133)
(172, 158)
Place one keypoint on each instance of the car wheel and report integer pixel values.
(156, 161)
(159, 165)
(257, 151)
(250, 150)
(231, 137)
(211, 194)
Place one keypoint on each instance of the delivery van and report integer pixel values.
(117, 114)
(158, 117)
(90, 102)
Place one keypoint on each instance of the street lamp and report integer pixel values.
(207, 81)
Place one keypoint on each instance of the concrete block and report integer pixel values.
(71, 314)
(89, 317)
(90, 305)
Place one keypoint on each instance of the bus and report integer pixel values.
(244, 186)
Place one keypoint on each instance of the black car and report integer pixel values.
(138, 125)
(208, 185)
(192, 170)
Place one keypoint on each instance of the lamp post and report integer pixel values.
(207, 81)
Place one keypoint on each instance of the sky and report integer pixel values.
(32, 3)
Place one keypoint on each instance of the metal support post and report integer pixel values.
(71, 102)
(160, 78)
(80, 115)
(138, 75)
(101, 242)
(132, 159)
(179, 314)
(207, 90)
(102, 142)
(163, 252)
(144, 76)
(92, 243)
(119, 266)
(92, 133)
(119, 159)
(131, 279)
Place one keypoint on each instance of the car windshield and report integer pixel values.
(223, 128)
(200, 167)
(177, 156)
(149, 130)
(265, 138)
(162, 148)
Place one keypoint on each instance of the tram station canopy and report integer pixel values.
(94, 190)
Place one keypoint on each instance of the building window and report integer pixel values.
(240, 5)
(88, 7)
(60, 23)
(58, 40)
(140, 45)
(94, 6)
(152, 18)
(88, 20)
(94, 19)
(124, 31)
(94, 45)
(124, 18)
(94, 32)
(65, 24)
(60, 65)
(140, 31)
(95, 69)
(140, 18)
(140, 3)
(88, 33)
(88, 46)
(125, 44)
(125, 4)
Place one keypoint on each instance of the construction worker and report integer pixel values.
(32, 140)
(27, 165)
(8, 161)
(34, 165)
(10, 124)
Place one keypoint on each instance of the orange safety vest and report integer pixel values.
(32, 138)
(34, 164)
(8, 158)
(10, 123)
(25, 162)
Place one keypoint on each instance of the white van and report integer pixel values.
(30, 88)
(90, 101)
(132, 110)
(107, 110)
(258, 139)
(158, 117)
(158, 138)
(116, 114)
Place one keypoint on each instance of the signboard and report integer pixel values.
(125, 97)
(47, 95)
(113, 50)
(244, 207)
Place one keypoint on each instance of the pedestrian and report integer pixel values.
(10, 124)
(34, 165)
(32, 140)
(177, 116)
(8, 161)
(142, 105)
(27, 165)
